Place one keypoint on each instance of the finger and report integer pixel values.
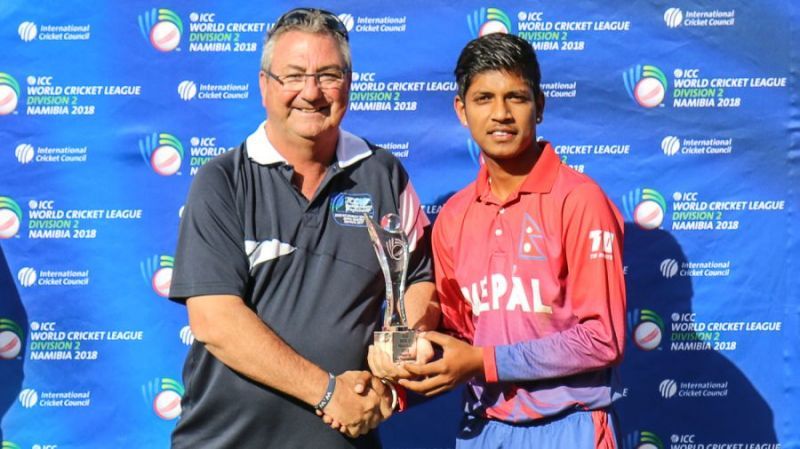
(425, 351)
(372, 361)
(433, 368)
(437, 337)
(384, 363)
(381, 365)
(425, 385)
(374, 421)
(353, 431)
(400, 372)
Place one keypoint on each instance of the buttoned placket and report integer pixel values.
(500, 234)
(311, 208)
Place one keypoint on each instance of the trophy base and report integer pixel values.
(400, 345)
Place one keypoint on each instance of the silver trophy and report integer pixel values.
(391, 247)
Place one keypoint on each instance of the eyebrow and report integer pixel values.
(320, 69)
(518, 92)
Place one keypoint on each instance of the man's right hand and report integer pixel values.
(356, 405)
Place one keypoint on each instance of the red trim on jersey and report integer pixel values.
(603, 434)
(402, 397)
(489, 364)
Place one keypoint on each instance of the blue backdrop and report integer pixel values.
(686, 112)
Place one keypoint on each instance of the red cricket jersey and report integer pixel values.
(536, 280)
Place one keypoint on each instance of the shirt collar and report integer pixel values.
(540, 179)
(349, 149)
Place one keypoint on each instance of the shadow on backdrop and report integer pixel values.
(427, 423)
(13, 337)
(738, 414)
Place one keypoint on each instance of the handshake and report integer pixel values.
(357, 401)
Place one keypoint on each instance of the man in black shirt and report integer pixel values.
(276, 268)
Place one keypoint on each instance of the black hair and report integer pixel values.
(497, 51)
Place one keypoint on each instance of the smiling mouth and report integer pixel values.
(502, 134)
(310, 109)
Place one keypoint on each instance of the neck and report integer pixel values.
(507, 175)
(301, 151)
(310, 158)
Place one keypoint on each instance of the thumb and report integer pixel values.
(361, 382)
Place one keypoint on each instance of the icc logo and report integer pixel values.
(670, 145)
(673, 17)
(162, 27)
(646, 207)
(642, 440)
(27, 31)
(187, 90)
(668, 388)
(24, 153)
(347, 20)
(647, 328)
(10, 217)
(157, 271)
(647, 85)
(669, 268)
(10, 339)
(186, 335)
(28, 397)
(26, 276)
(9, 94)
(164, 153)
(485, 21)
(165, 395)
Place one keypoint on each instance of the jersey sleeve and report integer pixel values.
(456, 312)
(417, 228)
(595, 288)
(210, 258)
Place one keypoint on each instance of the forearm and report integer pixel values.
(241, 340)
(422, 306)
(575, 350)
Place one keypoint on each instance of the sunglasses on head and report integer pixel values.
(299, 15)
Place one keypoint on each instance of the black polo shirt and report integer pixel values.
(307, 268)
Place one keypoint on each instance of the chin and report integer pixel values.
(503, 152)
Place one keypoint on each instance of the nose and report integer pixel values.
(311, 90)
(500, 111)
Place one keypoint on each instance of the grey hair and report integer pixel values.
(314, 23)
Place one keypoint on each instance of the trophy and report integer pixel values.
(391, 247)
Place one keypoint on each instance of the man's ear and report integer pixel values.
(540, 100)
(460, 108)
(263, 78)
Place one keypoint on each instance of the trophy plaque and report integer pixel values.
(391, 248)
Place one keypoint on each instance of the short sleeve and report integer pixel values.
(417, 228)
(210, 258)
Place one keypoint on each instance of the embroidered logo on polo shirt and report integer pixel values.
(348, 209)
(260, 252)
(530, 240)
